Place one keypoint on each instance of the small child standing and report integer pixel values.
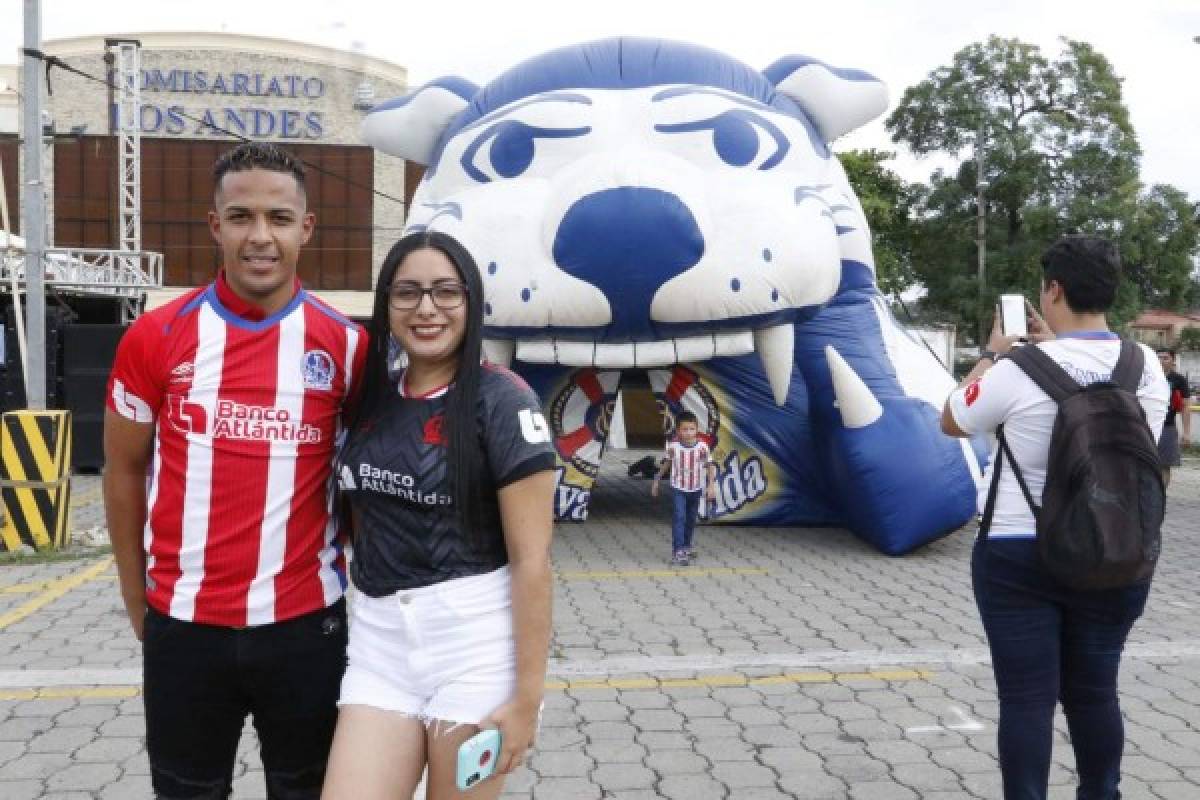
(692, 471)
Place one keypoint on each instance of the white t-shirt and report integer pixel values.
(1005, 394)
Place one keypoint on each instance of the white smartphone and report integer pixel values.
(1012, 315)
(477, 758)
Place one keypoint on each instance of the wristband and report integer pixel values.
(988, 354)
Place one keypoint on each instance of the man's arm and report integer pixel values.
(127, 451)
(949, 423)
(998, 344)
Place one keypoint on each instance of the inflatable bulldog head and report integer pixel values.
(655, 206)
(641, 203)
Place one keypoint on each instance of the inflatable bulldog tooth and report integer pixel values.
(656, 207)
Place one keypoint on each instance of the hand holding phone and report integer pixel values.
(477, 758)
(1012, 315)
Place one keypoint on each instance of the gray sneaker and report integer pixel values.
(680, 559)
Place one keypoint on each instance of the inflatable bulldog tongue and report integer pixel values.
(653, 207)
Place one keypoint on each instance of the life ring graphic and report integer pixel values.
(680, 389)
(580, 416)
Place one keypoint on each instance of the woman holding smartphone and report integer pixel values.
(448, 473)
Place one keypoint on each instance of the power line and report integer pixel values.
(54, 61)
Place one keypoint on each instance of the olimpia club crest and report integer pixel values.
(318, 370)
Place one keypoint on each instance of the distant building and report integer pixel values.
(1158, 328)
(307, 98)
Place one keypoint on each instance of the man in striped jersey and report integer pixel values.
(693, 471)
(230, 399)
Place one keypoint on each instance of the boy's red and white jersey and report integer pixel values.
(688, 464)
(247, 414)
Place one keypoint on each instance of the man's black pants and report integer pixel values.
(202, 680)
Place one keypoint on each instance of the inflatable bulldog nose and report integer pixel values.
(656, 228)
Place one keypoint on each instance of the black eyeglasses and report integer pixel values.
(445, 296)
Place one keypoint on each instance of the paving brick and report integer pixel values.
(926, 777)
(565, 789)
(616, 752)
(740, 775)
(692, 787)
(613, 777)
(815, 785)
(676, 762)
(20, 790)
(36, 766)
(881, 790)
(657, 720)
(129, 787)
(109, 749)
(82, 778)
(62, 740)
(562, 764)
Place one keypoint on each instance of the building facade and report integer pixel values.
(1161, 328)
(200, 92)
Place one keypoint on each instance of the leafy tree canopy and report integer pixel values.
(1058, 155)
(887, 201)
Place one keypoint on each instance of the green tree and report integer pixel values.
(887, 201)
(1158, 247)
(1058, 154)
(1189, 339)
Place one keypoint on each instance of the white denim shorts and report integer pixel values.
(442, 652)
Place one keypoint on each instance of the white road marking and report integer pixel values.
(962, 723)
(658, 665)
(864, 659)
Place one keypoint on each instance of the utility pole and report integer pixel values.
(981, 233)
(33, 213)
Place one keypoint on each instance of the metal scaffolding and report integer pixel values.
(129, 143)
(124, 274)
(86, 272)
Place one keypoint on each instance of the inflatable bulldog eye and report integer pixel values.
(740, 138)
(507, 149)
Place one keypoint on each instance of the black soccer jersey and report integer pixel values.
(393, 472)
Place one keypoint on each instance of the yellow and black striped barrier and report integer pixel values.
(35, 478)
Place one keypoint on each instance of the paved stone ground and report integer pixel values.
(785, 663)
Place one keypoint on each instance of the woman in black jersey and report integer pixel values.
(448, 473)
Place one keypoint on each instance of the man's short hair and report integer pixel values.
(1169, 350)
(685, 416)
(1088, 268)
(258, 155)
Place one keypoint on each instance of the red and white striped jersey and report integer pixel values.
(688, 464)
(240, 529)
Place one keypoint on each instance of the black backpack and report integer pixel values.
(1099, 524)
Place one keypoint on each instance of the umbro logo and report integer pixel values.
(183, 372)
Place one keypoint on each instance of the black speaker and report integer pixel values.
(12, 387)
(88, 353)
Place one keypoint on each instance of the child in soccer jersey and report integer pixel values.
(693, 476)
(448, 474)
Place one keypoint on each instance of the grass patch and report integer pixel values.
(52, 556)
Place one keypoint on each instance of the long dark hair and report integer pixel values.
(460, 427)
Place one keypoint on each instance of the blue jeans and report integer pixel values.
(683, 519)
(1051, 644)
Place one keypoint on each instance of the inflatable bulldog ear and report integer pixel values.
(837, 100)
(411, 126)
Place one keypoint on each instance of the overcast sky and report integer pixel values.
(1150, 42)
